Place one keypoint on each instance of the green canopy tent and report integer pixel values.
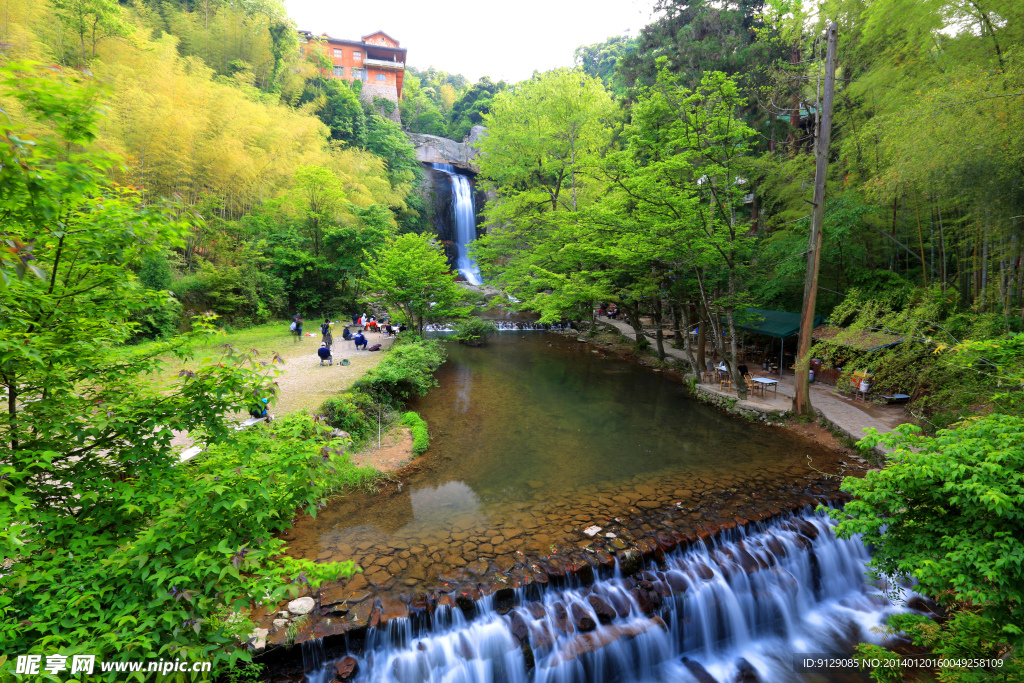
(778, 324)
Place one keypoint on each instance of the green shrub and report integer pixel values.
(418, 426)
(406, 371)
(352, 412)
(473, 331)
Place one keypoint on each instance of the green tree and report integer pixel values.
(411, 274)
(110, 545)
(948, 510)
(92, 21)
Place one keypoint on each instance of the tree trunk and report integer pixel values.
(658, 335)
(701, 343)
(802, 395)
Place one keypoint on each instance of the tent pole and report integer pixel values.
(782, 346)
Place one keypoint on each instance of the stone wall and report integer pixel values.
(386, 91)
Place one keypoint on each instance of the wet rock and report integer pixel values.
(648, 504)
(698, 671)
(581, 619)
(745, 672)
(630, 561)
(807, 529)
(605, 612)
(467, 604)
(392, 608)
(278, 624)
(519, 628)
(345, 669)
(300, 606)
(536, 610)
(504, 600)
(374, 618)
(703, 571)
(677, 581)
(560, 617)
(644, 599)
(463, 648)
(359, 616)
(486, 549)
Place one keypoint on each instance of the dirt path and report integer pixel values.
(394, 452)
(304, 383)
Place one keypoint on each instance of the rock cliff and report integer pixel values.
(431, 149)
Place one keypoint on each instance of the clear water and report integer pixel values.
(534, 437)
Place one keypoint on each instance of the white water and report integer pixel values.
(747, 604)
(465, 222)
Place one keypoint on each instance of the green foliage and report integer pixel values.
(353, 412)
(406, 371)
(110, 545)
(410, 275)
(948, 510)
(473, 331)
(418, 427)
(471, 109)
(601, 60)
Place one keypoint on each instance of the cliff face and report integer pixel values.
(431, 149)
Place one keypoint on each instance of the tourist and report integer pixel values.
(371, 324)
(325, 354)
(743, 370)
(360, 340)
(346, 333)
(389, 329)
(325, 330)
(297, 321)
(259, 409)
(355, 320)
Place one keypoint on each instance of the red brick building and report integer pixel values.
(376, 60)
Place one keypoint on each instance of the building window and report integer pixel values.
(381, 77)
(359, 74)
(338, 53)
(358, 56)
(339, 72)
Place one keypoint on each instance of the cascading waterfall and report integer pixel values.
(465, 222)
(737, 608)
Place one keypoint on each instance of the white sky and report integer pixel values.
(504, 39)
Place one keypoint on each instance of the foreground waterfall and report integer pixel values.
(465, 222)
(733, 609)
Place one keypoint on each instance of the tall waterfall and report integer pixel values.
(465, 222)
(736, 608)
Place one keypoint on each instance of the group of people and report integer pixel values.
(608, 311)
(363, 325)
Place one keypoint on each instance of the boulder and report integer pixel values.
(605, 612)
(300, 606)
(346, 668)
(581, 620)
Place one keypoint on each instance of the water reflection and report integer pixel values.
(441, 503)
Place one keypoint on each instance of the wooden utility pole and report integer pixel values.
(823, 141)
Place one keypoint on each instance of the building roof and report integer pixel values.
(772, 323)
(356, 43)
(861, 340)
(380, 33)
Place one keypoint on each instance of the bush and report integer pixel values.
(352, 412)
(948, 511)
(418, 426)
(473, 331)
(406, 371)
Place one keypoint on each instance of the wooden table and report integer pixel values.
(765, 383)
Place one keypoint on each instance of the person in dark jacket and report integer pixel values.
(346, 333)
(325, 354)
(360, 340)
